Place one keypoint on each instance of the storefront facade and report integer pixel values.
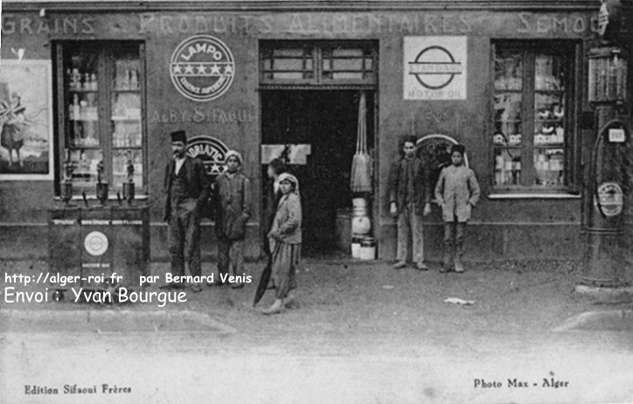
(512, 91)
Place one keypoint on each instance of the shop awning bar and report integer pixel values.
(303, 5)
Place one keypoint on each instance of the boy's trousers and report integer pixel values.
(410, 226)
(230, 256)
(454, 233)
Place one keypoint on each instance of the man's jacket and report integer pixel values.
(397, 185)
(197, 183)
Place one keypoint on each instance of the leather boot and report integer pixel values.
(289, 300)
(399, 265)
(276, 307)
(459, 266)
(447, 264)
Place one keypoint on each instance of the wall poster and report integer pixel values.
(26, 124)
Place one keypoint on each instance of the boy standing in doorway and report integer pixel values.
(457, 192)
(233, 202)
(409, 200)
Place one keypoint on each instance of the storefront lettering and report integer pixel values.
(202, 115)
(329, 24)
(323, 24)
(30, 26)
(305, 23)
(546, 24)
(218, 24)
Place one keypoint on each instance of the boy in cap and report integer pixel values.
(187, 189)
(457, 192)
(232, 200)
(409, 199)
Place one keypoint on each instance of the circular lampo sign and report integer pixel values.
(202, 68)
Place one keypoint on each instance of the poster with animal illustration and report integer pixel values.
(26, 122)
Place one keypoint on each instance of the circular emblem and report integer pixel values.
(96, 243)
(202, 68)
(211, 151)
(610, 199)
(435, 67)
(435, 151)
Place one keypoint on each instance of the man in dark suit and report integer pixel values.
(187, 189)
(409, 199)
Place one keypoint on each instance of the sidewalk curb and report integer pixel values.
(93, 317)
(604, 320)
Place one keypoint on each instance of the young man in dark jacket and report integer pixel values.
(409, 199)
(232, 199)
(187, 190)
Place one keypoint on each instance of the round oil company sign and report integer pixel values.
(435, 67)
(610, 199)
(96, 243)
(211, 151)
(202, 68)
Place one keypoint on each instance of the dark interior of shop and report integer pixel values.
(327, 121)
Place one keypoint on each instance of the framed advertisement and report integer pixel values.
(26, 120)
(435, 67)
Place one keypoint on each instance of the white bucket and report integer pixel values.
(355, 247)
(359, 203)
(368, 248)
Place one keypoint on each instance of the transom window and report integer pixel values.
(318, 63)
(533, 130)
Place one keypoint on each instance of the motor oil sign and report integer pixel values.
(610, 199)
(435, 67)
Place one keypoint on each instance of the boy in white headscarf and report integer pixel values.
(285, 243)
(233, 202)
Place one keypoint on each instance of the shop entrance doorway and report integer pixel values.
(323, 123)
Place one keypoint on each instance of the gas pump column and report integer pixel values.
(606, 180)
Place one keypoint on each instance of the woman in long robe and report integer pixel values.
(285, 243)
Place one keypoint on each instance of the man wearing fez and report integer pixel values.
(187, 189)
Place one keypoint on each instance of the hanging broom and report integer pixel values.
(360, 179)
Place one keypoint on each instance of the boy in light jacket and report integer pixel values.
(457, 192)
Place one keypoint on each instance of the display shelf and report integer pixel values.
(82, 90)
(549, 92)
(126, 118)
(512, 91)
(557, 145)
(126, 90)
(509, 146)
(83, 119)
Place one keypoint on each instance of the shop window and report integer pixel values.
(318, 63)
(533, 127)
(100, 107)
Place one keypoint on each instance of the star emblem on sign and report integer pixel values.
(215, 69)
(177, 69)
(216, 168)
(188, 69)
